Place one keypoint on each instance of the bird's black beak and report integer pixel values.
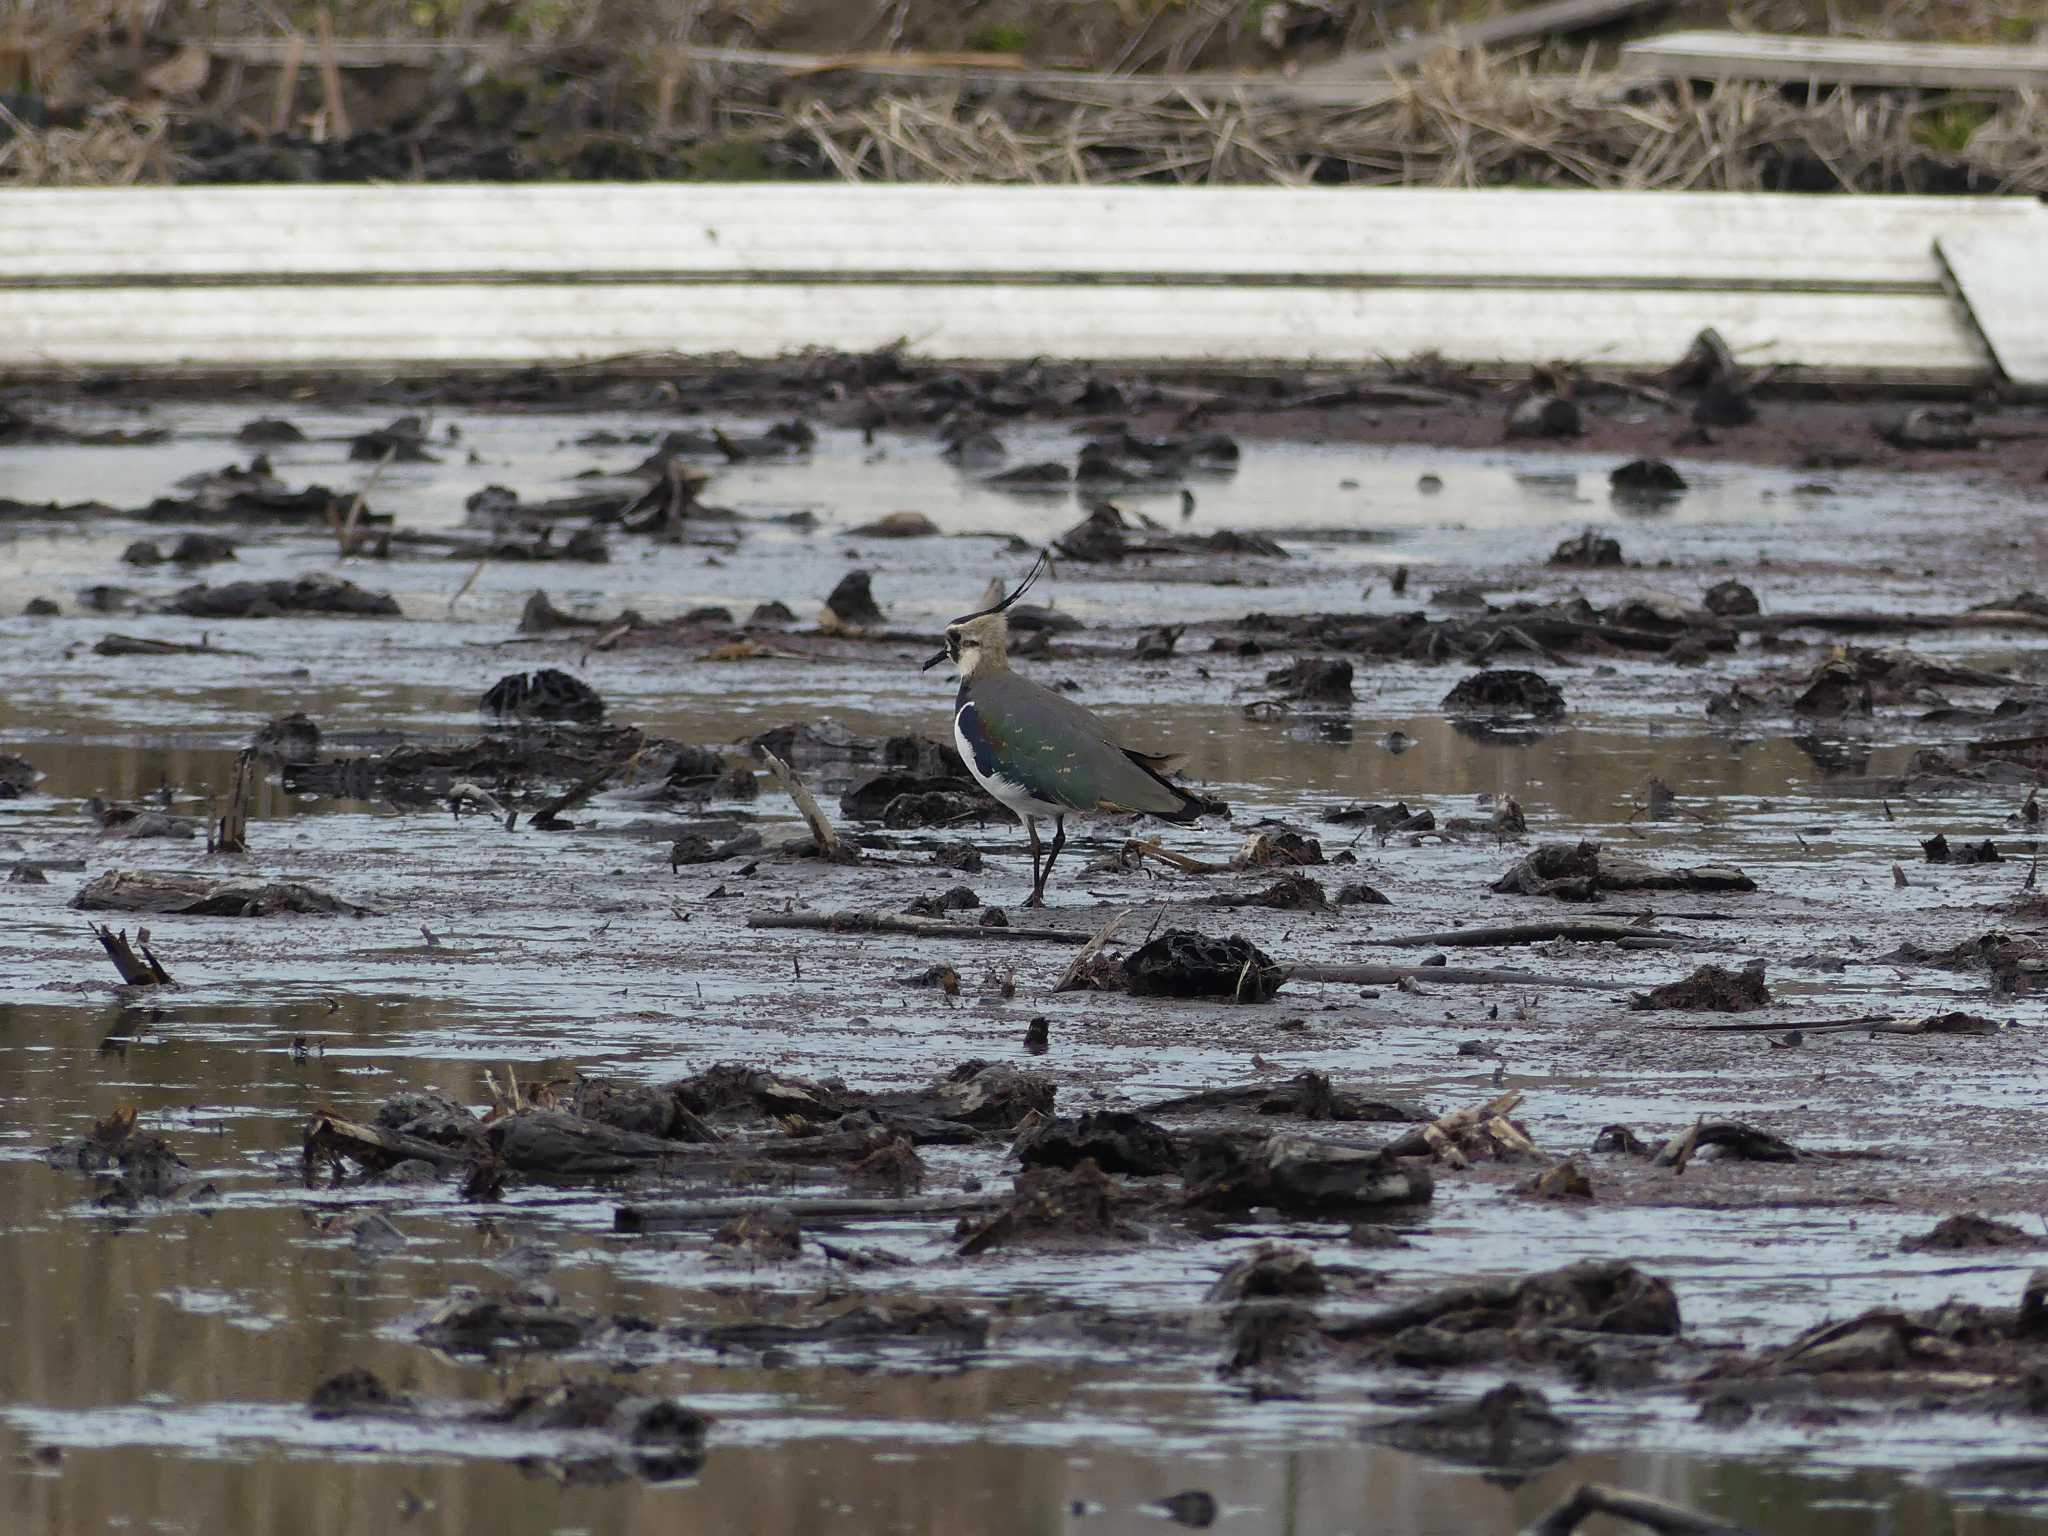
(933, 662)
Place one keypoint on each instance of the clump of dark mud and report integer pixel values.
(547, 694)
(1114, 1140)
(17, 776)
(131, 1164)
(1971, 1233)
(1061, 1206)
(1506, 693)
(1590, 549)
(160, 891)
(275, 599)
(1269, 1270)
(1510, 1429)
(1711, 988)
(657, 1439)
(1314, 679)
(1299, 1176)
(1497, 1318)
(1183, 963)
(293, 738)
(1305, 1096)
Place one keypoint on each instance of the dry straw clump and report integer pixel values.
(118, 145)
(1462, 121)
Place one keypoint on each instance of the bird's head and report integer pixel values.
(979, 641)
(973, 643)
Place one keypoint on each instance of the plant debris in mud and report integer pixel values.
(1956, 1356)
(1306, 1096)
(163, 892)
(1711, 988)
(275, 599)
(1506, 693)
(657, 1439)
(728, 1120)
(1971, 1233)
(546, 694)
(1061, 1206)
(1299, 1176)
(1183, 963)
(1510, 1429)
(1270, 1270)
(1586, 871)
(1591, 549)
(835, 1322)
(1115, 1140)
(1531, 1318)
(130, 1164)
(1647, 624)
(18, 776)
(2015, 963)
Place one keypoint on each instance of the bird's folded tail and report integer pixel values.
(1156, 766)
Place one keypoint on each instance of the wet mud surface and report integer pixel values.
(635, 1164)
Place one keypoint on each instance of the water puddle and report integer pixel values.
(157, 1355)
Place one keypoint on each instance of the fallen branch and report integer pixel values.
(1476, 1125)
(468, 581)
(231, 832)
(828, 841)
(1394, 975)
(1070, 978)
(882, 922)
(547, 818)
(136, 645)
(684, 1215)
(345, 529)
(1876, 1023)
(332, 1137)
(1652, 1514)
(1309, 1095)
(475, 794)
(1538, 933)
(1743, 1141)
(1940, 1024)
(1877, 623)
(1180, 861)
(136, 971)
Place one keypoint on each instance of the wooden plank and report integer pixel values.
(1083, 86)
(2002, 280)
(1838, 61)
(362, 52)
(980, 72)
(675, 231)
(1518, 26)
(1911, 336)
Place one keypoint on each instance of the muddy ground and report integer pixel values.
(721, 1220)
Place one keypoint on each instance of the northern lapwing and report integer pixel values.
(1041, 754)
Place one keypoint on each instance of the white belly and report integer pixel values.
(1018, 800)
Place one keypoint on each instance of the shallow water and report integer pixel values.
(154, 1363)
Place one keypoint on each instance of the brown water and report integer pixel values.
(154, 1363)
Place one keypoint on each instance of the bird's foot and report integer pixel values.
(1035, 899)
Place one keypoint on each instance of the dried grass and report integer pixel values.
(1460, 122)
(120, 144)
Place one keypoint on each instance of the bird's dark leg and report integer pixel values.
(1059, 841)
(1037, 897)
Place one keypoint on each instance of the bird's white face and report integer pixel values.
(963, 649)
(977, 643)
